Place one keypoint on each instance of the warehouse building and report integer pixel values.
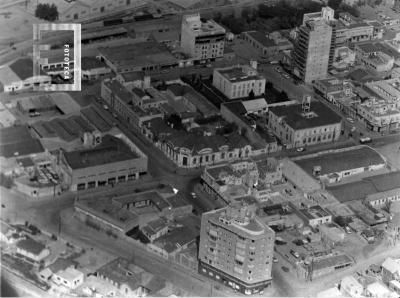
(110, 162)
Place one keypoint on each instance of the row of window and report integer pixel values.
(110, 181)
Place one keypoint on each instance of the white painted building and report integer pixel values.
(202, 40)
(239, 81)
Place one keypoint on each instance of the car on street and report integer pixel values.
(295, 254)
(301, 149)
(351, 120)
(286, 269)
(347, 229)
(275, 260)
(193, 194)
(278, 69)
(105, 107)
(286, 76)
(353, 129)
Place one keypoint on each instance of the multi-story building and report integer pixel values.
(389, 90)
(202, 40)
(309, 123)
(239, 81)
(111, 161)
(236, 248)
(312, 51)
(371, 57)
(126, 103)
(227, 182)
(378, 115)
(328, 87)
(269, 45)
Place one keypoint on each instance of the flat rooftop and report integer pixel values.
(110, 212)
(236, 74)
(261, 38)
(331, 261)
(340, 161)
(152, 196)
(294, 117)
(17, 141)
(111, 150)
(139, 54)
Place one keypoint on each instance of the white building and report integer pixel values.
(202, 40)
(239, 81)
(379, 115)
(304, 124)
(69, 278)
(19, 76)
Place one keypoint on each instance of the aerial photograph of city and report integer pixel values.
(200, 148)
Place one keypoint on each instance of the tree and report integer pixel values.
(269, 85)
(175, 120)
(342, 221)
(46, 12)
(334, 4)
(251, 94)
(284, 95)
(217, 17)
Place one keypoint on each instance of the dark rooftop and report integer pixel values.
(119, 90)
(132, 76)
(293, 115)
(120, 271)
(23, 68)
(31, 246)
(370, 185)
(110, 150)
(341, 161)
(152, 196)
(68, 129)
(16, 140)
(261, 38)
(98, 118)
(138, 54)
(88, 63)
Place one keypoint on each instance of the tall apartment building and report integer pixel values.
(313, 53)
(202, 40)
(236, 248)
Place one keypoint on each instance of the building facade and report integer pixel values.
(303, 125)
(236, 248)
(312, 50)
(202, 40)
(111, 161)
(238, 81)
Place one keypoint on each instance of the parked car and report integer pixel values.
(301, 149)
(295, 254)
(347, 229)
(351, 120)
(278, 69)
(275, 260)
(105, 107)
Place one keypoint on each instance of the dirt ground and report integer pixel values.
(16, 25)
